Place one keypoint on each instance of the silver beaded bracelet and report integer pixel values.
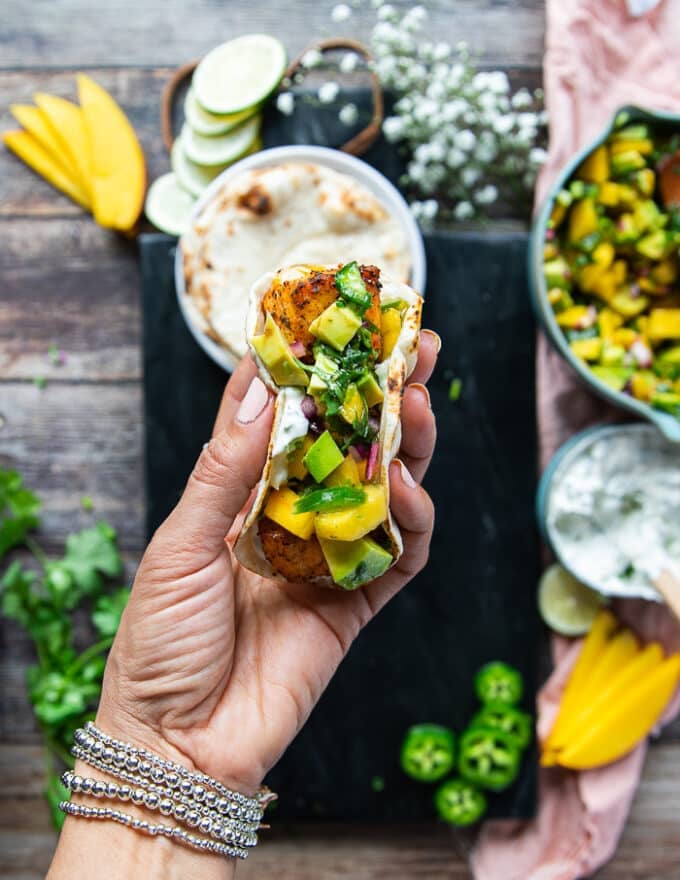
(230, 818)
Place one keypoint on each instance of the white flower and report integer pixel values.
(349, 114)
(441, 51)
(436, 90)
(464, 140)
(311, 58)
(393, 128)
(527, 120)
(497, 82)
(503, 124)
(470, 176)
(455, 158)
(487, 195)
(487, 101)
(349, 62)
(416, 171)
(414, 18)
(521, 99)
(463, 211)
(285, 103)
(453, 109)
(341, 12)
(461, 46)
(386, 12)
(328, 92)
(486, 153)
(429, 209)
(537, 156)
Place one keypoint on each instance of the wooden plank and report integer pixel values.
(71, 440)
(75, 32)
(71, 284)
(649, 849)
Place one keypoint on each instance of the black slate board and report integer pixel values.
(476, 599)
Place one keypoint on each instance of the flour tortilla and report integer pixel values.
(279, 216)
(392, 375)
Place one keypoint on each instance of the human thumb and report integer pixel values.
(220, 484)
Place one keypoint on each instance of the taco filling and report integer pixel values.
(326, 334)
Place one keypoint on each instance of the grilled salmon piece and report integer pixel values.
(296, 560)
(296, 303)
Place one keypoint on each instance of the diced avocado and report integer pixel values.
(328, 367)
(628, 305)
(624, 163)
(596, 166)
(582, 220)
(280, 509)
(323, 457)
(557, 215)
(296, 466)
(277, 357)
(636, 132)
(336, 325)
(648, 216)
(390, 329)
(557, 273)
(353, 407)
(614, 377)
(612, 355)
(577, 189)
(644, 146)
(665, 272)
(668, 401)
(587, 349)
(626, 230)
(354, 563)
(368, 385)
(655, 245)
(645, 181)
(663, 324)
(560, 299)
(670, 355)
(347, 474)
(354, 522)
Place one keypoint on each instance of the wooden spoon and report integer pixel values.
(669, 180)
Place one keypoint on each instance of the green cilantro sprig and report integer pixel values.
(64, 685)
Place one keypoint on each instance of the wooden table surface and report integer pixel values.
(65, 281)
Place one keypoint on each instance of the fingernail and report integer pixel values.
(422, 390)
(405, 474)
(436, 338)
(253, 403)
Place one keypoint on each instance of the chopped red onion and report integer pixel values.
(308, 407)
(298, 349)
(641, 353)
(359, 451)
(374, 423)
(372, 464)
(550, 234)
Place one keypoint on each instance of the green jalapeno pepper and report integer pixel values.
(428, 752)
(509, 719)
(351, 287)
(488, 758)
(459, 802)
(497, 682)
(330, 498)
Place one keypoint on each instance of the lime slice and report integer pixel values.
(566, 605)
(168, 205)
(239, 74)
(223, 148)
(195, 178)
(209, 124)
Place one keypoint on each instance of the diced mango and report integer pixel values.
(643, 384)
(608, 194)
(280, 509)
(297, 469)
(624, 336)
(354, 522)
(582, 220)
(347, 474)
(604, 254)
(353, 409)
(608, 321)
(627, 305)
(663, 324)
(596, 166)
(587, 349)
(574, 318)
(644, 147)
(390, 329)
(666, 272)
(557, 215)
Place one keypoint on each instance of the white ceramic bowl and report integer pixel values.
(373, 180)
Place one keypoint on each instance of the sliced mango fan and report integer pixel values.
(89, 152)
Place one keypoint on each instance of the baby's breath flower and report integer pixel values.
(311, 58)
(349, 114)
(455, 158)
(463, 211)
(349, 62)
(537, 156)
(429, 209)
(393, 128)
(464, 140)
(470, 175)
(521, 99)
(285, 103)
(328, 92)
(487, 195)
(386, 12)
(341, 12)
(503, 124)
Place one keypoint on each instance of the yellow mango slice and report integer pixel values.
(67, 123)
(582, 220)
(626, 722)
(596, 166)
(628, 676)
(118, 170)
(353, 523)
(36, 124)
(31, 151)
(618, 652)
(664, 324)
(280, 507)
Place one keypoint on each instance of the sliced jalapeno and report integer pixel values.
(488, 758)
(497, 682)
(351, 287)
(509, 719)
(428, 752)
(459, 802)
(330, 498)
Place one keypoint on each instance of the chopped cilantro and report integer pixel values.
(455, 389)
(40, 382)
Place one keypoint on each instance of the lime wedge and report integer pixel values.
(168, 205)
(566, 605)
(223, 148)
(239, 74)
(209, 124)
(195, 178)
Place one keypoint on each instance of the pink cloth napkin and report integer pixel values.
(598, 58)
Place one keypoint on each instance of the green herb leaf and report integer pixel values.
(455, 388)
(89, 555)
(87, 503)
(19, 509)
(108, 611)
(330, 498)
